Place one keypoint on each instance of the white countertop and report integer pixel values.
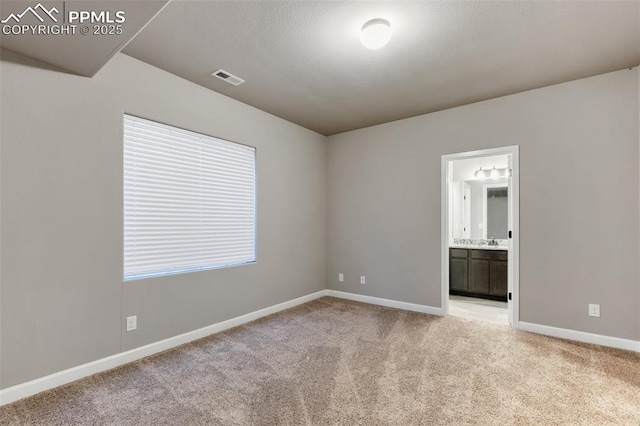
(478, 247)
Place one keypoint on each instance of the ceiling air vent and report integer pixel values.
(228, 77)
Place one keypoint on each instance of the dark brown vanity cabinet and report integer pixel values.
(478, 273)
(458, 270)
(499, 277)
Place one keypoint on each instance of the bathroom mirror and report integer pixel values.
(495, 210)
(479, 209)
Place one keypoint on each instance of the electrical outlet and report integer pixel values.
(132, 323)
(594, 310)
(362, 280)
(341, 277)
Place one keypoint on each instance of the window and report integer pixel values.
(189, 201)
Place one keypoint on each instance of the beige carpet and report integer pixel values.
(333, 361)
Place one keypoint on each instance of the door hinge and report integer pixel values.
(509, 295)
(510, 234)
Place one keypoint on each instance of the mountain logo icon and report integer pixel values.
(34, 11)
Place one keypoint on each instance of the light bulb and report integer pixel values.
(375, 33)
(494, 173)
(479, 174)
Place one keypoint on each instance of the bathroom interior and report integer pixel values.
(478, 238)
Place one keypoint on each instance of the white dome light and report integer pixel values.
(375, 33)
(494, 173)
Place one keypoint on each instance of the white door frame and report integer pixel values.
(514, 242)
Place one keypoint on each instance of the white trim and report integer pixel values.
(514, 243)
(385, 302)
(581, 336)
(23, 390)
(445, 205)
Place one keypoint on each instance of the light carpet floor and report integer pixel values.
(336, 362)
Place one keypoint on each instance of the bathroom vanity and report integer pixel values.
(478, 272)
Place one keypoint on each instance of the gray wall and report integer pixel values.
(63, 299)
(579, 226)
(63, 302)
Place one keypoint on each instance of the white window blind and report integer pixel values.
(189, 201)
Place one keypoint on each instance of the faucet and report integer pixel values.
(493, 242)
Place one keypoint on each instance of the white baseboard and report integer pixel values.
(23, 390)
(385, 302)
(581, 336)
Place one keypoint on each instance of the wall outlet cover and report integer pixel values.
(594, 310)
(132, 323)
(362, 280)
(340, 277)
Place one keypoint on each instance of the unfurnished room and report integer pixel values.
(319, 212)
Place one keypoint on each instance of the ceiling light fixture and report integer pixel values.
(493, 173)
(375, 33)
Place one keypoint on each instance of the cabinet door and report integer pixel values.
(479, 276)
(499, 271)
(458, 274)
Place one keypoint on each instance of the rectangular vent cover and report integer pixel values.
(228, 77)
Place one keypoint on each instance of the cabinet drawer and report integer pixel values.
(461, 253)
(489, 254)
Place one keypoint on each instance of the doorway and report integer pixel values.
(480, 234)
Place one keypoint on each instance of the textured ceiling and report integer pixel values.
(82, 54)
(303, 61)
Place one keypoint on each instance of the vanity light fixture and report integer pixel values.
(493, 173)
(375, 33)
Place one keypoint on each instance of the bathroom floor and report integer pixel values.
(479, 309)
